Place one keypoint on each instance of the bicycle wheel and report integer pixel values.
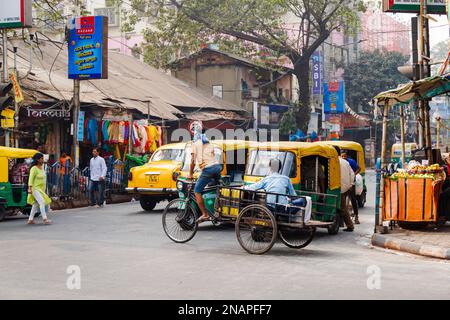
(297, 238)
(256, 229)
(178, 221)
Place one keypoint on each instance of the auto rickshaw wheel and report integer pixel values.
(297, 238)
(334, 228)
(2, 212)
(147, 203)
(256, 229)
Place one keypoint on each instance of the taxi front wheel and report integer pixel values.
(147, 203)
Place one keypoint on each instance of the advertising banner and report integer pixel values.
(88, 48)
(334, 97)
(17, 90)
(317, 73)
(16, 14)
(413, 6)
(80, 130)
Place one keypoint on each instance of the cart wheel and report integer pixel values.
(178, 221)
(297, 238)
(334, 228)
(256, 229)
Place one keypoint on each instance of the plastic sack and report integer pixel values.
(359, 185)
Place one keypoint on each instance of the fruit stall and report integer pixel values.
(412, 194)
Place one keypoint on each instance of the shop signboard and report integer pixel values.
(88, 48)
(17, 90)
(48, 113)
(16, 14)
(316, 73)
(334, 97)
(413, 6)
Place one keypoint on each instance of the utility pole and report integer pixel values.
(76, 104)
(424, 53)
(5, 72)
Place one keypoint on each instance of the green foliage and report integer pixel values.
(297, 117)
(374, 72)
(439, 53)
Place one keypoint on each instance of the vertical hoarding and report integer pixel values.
(334, 97)
(88, 48)
(16, 14)
(316, 73)
(413, 6)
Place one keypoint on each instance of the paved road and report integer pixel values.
(123, 253)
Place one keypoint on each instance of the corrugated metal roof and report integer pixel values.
(130, 82)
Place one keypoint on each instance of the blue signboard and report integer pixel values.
(88, 48)
(80, 129)
(334, 97)
(317, 73)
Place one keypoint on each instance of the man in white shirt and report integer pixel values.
(347, 181)
(97, 167)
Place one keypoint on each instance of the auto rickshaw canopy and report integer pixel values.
(305, 149)
(353, 146)
(12, 153)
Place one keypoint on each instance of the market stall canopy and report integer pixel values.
(418, 90)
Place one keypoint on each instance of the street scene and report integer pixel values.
(205, 151)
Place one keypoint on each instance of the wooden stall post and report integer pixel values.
(402, 134)
(383, 160)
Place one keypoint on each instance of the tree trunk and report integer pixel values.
(302, 72)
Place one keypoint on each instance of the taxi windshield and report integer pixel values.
(168, 155)
(258, 164)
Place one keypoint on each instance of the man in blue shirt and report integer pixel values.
(356, 169)
(279, 184)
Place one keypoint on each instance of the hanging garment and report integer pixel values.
(136, 138)
(153, 133)
(92, 132)
(105, 133)
(144, 138)
(126, 136)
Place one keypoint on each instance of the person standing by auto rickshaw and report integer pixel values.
(203, 155)
(356, 169)
(36, 190)
(347, 181)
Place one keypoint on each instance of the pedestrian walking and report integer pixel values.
(36, 190)
(347, 181)
(97, 167)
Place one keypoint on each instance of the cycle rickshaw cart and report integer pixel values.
(259, 223)
(314, 171)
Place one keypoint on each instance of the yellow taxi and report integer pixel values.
(156, 180)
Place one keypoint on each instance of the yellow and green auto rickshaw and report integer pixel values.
(13, 196)
(314, 171)
(355, 151)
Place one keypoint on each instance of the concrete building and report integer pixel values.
(239, 81)
(384, 32)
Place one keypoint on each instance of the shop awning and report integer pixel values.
(418, 90)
